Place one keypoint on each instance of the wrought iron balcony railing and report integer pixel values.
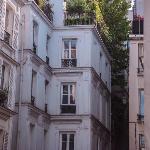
(46, 7)
(140, 70)
(82, 20)
(69, 62)
(7, 37)
(140, 117)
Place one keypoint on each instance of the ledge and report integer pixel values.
(6, 113)
(35, 58)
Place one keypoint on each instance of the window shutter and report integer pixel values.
(2, 17)
(10, 93)
(5, 141)
(16, 29)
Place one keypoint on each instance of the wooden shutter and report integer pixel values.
(15, 36)
(10, 93)
(5, 141)
(2, 17)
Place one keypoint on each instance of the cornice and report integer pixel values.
(8, 58)
(100, 124)
(80, 70)
(136, 37)
(38, 61)
(35, 110)
(99, 38)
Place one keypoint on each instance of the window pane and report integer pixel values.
(141, 102)
(64, 141)
(65, 89)
(73, 54)
(73, 44)
(66, 44)
(72, 94)
(66, 54)
(71, 142)
(65, 99)
(72, 99)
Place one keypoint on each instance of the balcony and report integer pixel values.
(83, 20)
(3, 97)
(46, 7)
(7, 37)
(140, 70)
(65, 109)
(140, 118)
(69, 63)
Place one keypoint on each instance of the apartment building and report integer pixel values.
(136, 80)
(146, 74)
(9, 33)
(58, 79)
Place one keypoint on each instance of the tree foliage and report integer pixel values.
(112, 23)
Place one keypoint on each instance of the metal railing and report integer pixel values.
(46, 7)
(69, 62)
(140, 70)
(72, 20)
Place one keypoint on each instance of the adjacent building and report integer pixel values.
(136, 79)
(58, 75)
(9, 33)
(146, 74)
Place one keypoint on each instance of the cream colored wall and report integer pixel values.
(136, 82)
(147, 72)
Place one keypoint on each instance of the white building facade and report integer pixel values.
(64, 83)
(9, 34)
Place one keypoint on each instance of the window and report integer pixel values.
(47, 49)
(33, 87)
(69, 53)
(140, 57)
(141, 103)
(67, 141)
(46, 94)
(5, 76)
(68, 103)
(35, 36)
(9, 20)
(47, 44)
(141, 141)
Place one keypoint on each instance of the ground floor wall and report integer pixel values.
(39, 131)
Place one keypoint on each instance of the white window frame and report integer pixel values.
(70, 50)
(68, 135)
(69, 84)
